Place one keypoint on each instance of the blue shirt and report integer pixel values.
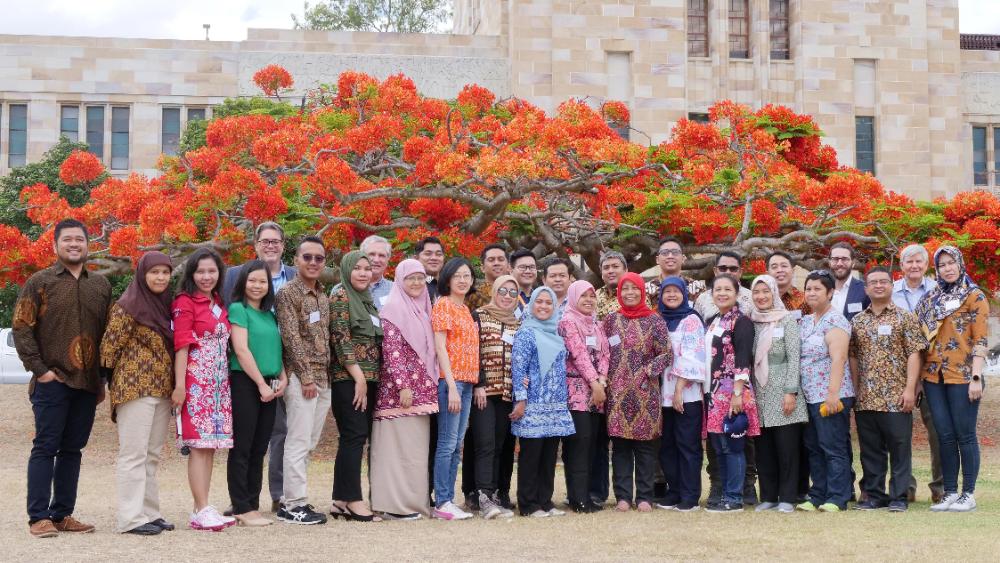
(546, 414)
(380, 291)
(906, 298)
(283, 277)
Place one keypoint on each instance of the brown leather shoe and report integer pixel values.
(44, 529)
(73, 526)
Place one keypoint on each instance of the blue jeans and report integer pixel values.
(828, 441)
(732, 468)
(955, 422)
(451, 432)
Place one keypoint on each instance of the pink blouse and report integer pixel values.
(584, 365)
(402, 369)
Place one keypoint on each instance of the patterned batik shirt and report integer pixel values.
(961, 336)
(881, 343)
(304, 321)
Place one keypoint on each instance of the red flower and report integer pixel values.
(80, 167)
(272, 78)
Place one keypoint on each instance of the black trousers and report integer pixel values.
(633, 457)
(778, 462)
(253, 422)
(578, 453)
(712, 467)
(802, 490)
(63, 419)
(536, 474)
(885, 439)
(681, 453)
(599, 482)
(488, 451)
(354, 427)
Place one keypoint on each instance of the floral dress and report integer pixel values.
(816, 362)
(206, 418)
(640, 352)
(402, 369)
(546, 414)
(731, 359)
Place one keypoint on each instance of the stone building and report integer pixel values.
(894, 85)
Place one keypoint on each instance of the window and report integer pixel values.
(739, 29)
(196, 114)
(170, 136)
(980, 177)
(95, 131)
(697, 28)
(119, 138)
(69, 123)
(17, 139)
(778, 16)
(698, 117)
(864, 143)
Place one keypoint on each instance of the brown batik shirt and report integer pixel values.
(304, 321)
(59, 321)
(882, 343)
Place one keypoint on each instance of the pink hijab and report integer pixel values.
(412, 316)
(583, 323)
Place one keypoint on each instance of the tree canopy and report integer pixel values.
(368, 156)
(401, 16)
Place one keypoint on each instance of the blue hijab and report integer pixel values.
(548, 343)
(675, 316)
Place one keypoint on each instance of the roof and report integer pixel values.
(979, 42)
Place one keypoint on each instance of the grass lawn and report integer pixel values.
(662, 535)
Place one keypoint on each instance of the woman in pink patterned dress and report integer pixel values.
(201, 371)
(407, 396)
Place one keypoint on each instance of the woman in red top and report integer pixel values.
(201, 371)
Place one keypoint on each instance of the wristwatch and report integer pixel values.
(976, 378)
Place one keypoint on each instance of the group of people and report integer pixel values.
(435, 369)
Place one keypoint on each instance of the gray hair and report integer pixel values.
(268, 225)
(614, 255)
(913, 249)
(374, 239)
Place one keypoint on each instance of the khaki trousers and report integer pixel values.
(142, 431)
(305, 419)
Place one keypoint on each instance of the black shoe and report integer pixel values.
(868, 505)
(724, 507)
(472, 502)
(228, 511)
(163, 525)
(304, 515)
(595, 507)
(715, 494)
(750, 495)
(581, 507)
(897, 506)
(145, 530)
(686, 507)
(502, 498)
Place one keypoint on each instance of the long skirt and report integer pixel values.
(398, 470)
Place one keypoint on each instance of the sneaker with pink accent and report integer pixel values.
(227, 521)
(207, 519)
(448, 511)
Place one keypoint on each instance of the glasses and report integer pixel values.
(876, 283)
(315, 258)
(270, 242)
(508, 292)
(840, 259)
(728, 269)
(669, 252)
(526, 268)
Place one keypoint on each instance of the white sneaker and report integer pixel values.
(206, 519)
(556, 512)
(965, 503)
(449, 511)
(946, 502)
(786, 507)
(540, 514)
(226, 520)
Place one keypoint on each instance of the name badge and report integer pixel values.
(508, 337)
(797, 315)
(951, 304)
(778, 332)
(517, 314)
(854, 307)
(592, 341)
(884, 330)
(376, 321)
(216, 310)
(314, 317)
(717, 331)
(383, 300)
(614, 340)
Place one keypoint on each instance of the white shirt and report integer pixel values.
(840, 296)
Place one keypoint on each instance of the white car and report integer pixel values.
(11, 368)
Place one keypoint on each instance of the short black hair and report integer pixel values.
(822, 276)
(878, 269)
(448, 271)
(307, 239)
(187, 284)
(731, 278)
(70, 224)
(554, 262)
(494, 246)
(783, 254)
(665, 240)
(845, 245)
(729, 254)
(239, 290)
(424, 242)
(518, 254)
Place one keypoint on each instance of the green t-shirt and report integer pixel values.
(262, 336)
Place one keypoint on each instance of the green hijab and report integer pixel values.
(360, 303)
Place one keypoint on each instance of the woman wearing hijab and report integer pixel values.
(356, 340)
(407, 396)
(780, 406)
(680, 446)
(586, 376)
(489, 420)
(730, 339)
(541, 413)
(954, 318)
(137, 347)
(640, 352)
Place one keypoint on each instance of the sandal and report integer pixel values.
(623, 506)
(645, 507)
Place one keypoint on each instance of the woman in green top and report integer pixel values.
(257, 378)
(356, 342)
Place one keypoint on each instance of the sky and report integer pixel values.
(183, 19)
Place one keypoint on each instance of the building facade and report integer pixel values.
(893, 84)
